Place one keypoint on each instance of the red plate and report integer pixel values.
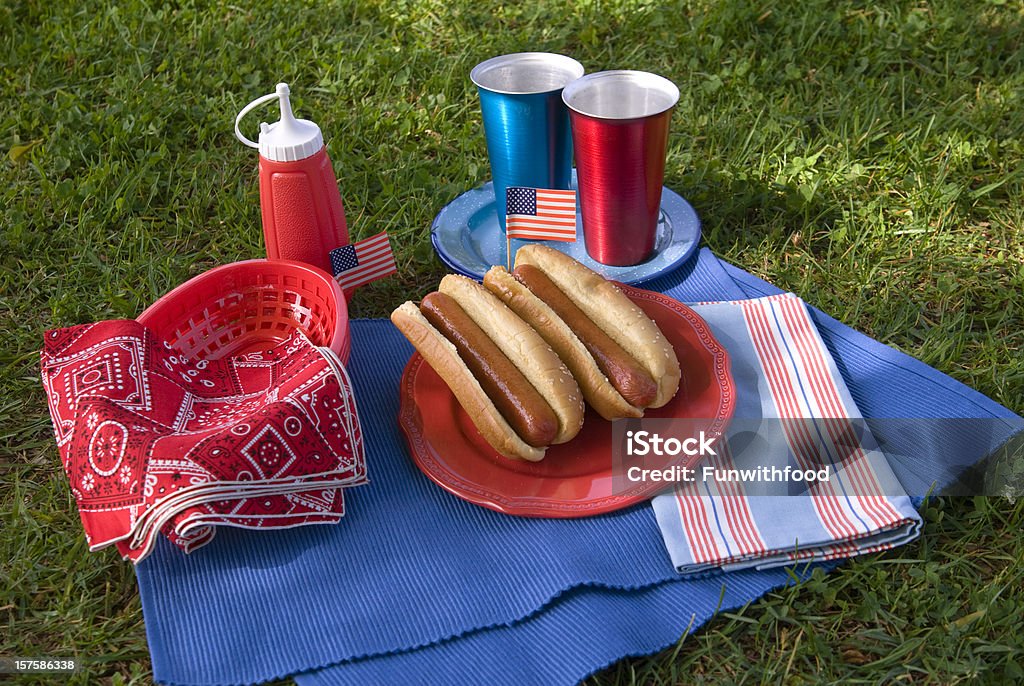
(574, 479)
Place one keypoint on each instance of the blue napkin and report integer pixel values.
(417, 586)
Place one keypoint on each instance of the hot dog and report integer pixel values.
(515, 389)
(516, 400)
(627, 376)
(619, 357)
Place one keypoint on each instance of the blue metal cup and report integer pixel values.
(529, 142)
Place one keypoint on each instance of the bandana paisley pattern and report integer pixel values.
(152, 440)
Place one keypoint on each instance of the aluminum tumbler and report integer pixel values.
(620, 134)
(525, 120)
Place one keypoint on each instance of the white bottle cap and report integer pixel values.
(287, 140)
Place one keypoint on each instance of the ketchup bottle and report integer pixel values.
(303, 218)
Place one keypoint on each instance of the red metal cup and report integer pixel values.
(620, 137)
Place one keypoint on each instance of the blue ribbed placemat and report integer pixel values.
(580, 632)
(417, 586)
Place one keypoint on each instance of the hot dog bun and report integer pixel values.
(597, 389)
(523, 347)
(607, 307)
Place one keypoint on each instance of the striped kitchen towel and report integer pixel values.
(799, 475)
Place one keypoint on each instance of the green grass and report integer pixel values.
(869, 157)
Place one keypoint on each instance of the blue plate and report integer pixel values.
(468, 238)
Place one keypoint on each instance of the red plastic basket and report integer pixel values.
(252, 305)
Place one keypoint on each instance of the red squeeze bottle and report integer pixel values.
(303, 218)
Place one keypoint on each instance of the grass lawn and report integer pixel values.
(867, 156)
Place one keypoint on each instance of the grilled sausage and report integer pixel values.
(517, 400)
(625, 373)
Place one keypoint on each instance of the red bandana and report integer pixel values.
(153, 441)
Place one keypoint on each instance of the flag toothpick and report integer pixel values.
(539, 214)
(359, 263)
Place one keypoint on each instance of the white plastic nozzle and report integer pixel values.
(283, 94)
(287, 140)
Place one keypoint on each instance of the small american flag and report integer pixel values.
(363, 261)
(540, 214)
